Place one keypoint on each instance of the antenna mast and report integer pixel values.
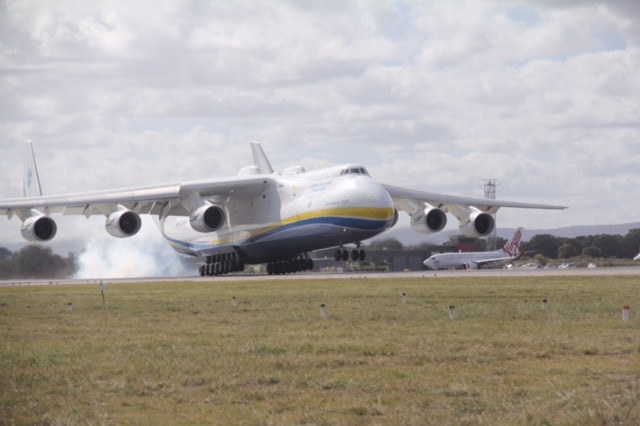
(490, 192)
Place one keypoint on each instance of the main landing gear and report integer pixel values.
(343, 254)
(298, 264)
(220, 264)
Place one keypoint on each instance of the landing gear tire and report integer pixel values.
(290, 266)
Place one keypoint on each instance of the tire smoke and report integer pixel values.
(144, 255)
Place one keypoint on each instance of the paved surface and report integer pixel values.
(315, 276)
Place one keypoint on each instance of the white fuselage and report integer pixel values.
(465, 260)
(293, 214)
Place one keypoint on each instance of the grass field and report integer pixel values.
(176, 353)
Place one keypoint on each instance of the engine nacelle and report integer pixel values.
(480, 224)
(471, 265)
(38, 228)
(123, 223)
(207, 218)
(430, 220)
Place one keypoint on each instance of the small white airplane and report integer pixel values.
(259, 216)
(478, 259)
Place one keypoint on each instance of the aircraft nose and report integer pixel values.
(366, 192)
(429, 263)
(380, 198)
(368, 200)
(375, 194)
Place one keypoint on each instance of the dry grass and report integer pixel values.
(181, 353)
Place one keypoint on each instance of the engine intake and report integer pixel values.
(207, 218)
(123, 223)
(480, 224)
(431, 220)
(38, 228)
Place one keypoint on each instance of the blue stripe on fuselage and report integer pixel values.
(367, 227)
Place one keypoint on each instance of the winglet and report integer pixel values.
(31, 180)
(260, 159)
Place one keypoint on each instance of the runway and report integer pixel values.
(623, 271)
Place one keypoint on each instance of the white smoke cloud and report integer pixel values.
(144, 255)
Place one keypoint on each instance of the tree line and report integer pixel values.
(595, 246)
(35, 262)
(552, 247)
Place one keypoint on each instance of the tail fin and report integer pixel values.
(260, 159)
(31, 180)
(512, 248)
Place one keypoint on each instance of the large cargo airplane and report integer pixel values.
(259, 216)
(478, 259)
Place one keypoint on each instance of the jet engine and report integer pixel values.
(38, 228)
(480, 224)
(430, 220)
(207, 218)
(123, 223)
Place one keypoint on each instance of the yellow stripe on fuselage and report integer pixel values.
(366, 213)
(373, 213)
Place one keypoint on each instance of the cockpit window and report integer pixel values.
(355, 171)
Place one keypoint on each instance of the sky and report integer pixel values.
(542, 96)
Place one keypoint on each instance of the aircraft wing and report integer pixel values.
(403, 196)
(475, 215)
(496, 261)
(178, 199)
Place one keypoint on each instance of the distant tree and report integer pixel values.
(609, 245)
(500, 242)
(387, 244)
(592, 252)
(567, 250)
(630, 244)
(540, 260)
(544, 244)
(4, 253)
(35, 261)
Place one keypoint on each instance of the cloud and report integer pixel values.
(437, 96)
